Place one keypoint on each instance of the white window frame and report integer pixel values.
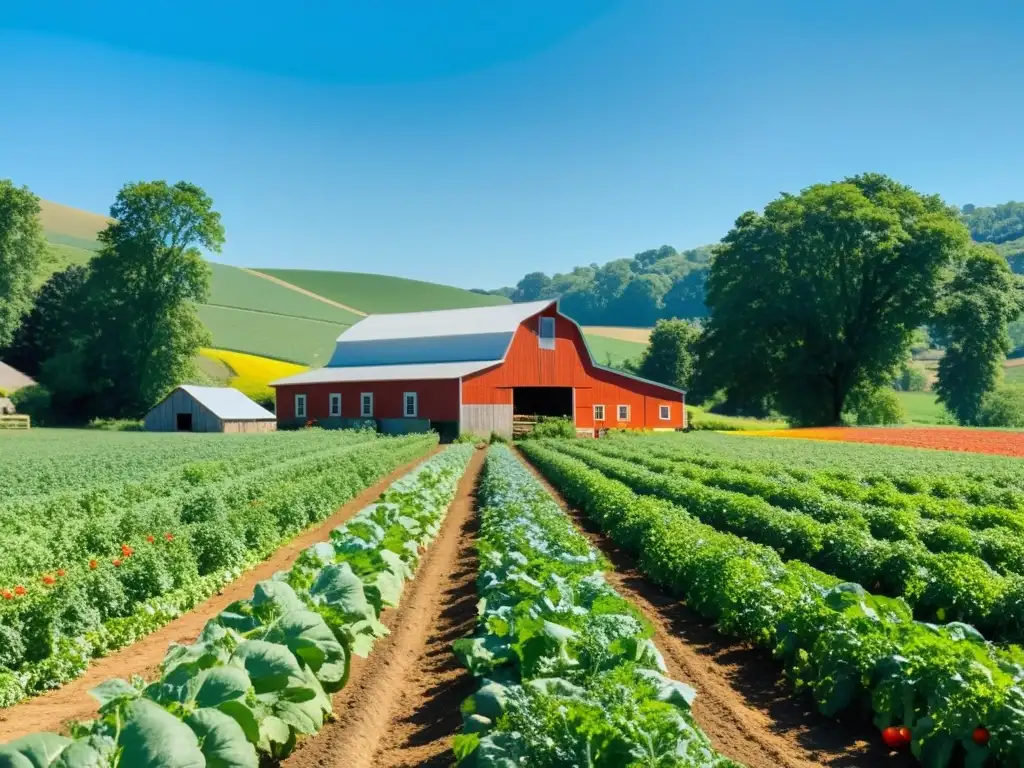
(546, 342)
(415, 405)
(330, 404)
(619, 413)
(665, 412)
(300, 412)
(362, 405)
(596, 417)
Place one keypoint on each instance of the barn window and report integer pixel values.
(623, 413)
(336, 404)
(598, 413)
(300, 406)
(411, 408)
(366, 404)
(665, 411)
(547, 333)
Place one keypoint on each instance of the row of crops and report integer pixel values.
(834, 584)
(85, 572)
(568, 674)
(261, 673)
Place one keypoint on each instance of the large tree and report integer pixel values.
(819, 295)
(53, 318)
(22, 254)
(669, 357)
(141, 329)
(980, 301)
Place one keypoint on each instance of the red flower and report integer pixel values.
(49, 580)
(61, 572)
(169, 536)
(8, 595)
(150, 538)
(117, 562)
(94, 564)
(126, 550)
(20, 590)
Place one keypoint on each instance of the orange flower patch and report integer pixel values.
(935, 438)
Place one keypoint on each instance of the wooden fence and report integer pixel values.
(15, 422)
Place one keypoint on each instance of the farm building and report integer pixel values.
(11, 379)
(477, 370)
(209, 409)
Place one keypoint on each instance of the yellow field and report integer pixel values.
(251, 374)
(639, 335)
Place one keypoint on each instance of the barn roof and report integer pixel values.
(414, 372)
(227, 404)
(12, 379)
(472, 321)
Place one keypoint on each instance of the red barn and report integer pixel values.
(473, 370)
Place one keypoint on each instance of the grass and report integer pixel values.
(613, 352)
(638, 335)
(233, 287)
(382, 293)
(250, 374)
(294, 339)
(704, 420)
(1014, 374)
(923, 409)
(70, 226)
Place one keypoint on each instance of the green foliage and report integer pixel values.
(554, 427)
(980, 301)
(820, 294)
(846, 648)
(569, 673)
(382, 293)
(670, 355)
(911, 379)
(1002, 407)
(52, 319)
(996, 224)
(22, 253)
(875, 406)
(33, 401)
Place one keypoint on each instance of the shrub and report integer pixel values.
(145, 575)
(12, 649)
(497, 439)
(217, 546)
(871, 407)
(202, 507)
(1003, 407)
(548, 426)
(259, 526)
(118, 425)
(33, 401)
(469, 437)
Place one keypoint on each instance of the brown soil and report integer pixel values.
(401, 704)
(52, 710)
(742, 704)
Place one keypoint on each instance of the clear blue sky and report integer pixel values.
(471, 141)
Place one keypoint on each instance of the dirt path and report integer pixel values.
(297, 289)
(402, 703)
(743, 704)
(52, 710)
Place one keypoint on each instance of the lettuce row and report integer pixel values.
(569, 673)
(261, 673)
(850, 650)
(939, 587)
(49, 637)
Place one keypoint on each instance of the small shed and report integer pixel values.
(209, 409)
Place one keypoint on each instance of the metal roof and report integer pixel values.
(414, 372)
(12, 379)
(228, 404)
(473, 321)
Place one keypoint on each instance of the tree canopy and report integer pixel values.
(670, 355)
(22, 254)
(819, 296)
(137, 329)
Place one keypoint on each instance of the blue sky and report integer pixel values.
(469, 142)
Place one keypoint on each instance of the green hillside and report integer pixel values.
(613, 352)
(234, 287)
(382, 294)
(296, 339)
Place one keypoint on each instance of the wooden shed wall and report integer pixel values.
(250, 426)
(163, 417)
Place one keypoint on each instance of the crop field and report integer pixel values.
(892, 583)
(250, 374)
(293, 339)
(612, 351)
(108, 536)
(1005, 443)
(374, 294)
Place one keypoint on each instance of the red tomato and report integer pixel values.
(980, 736)
(94, 564)
(150, 538)
(892, 737)
(61, 572)
(906, 735)
(117, 562)
(19, 590)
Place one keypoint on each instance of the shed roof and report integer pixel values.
(227, 403)
(413, 372)
(12, 379)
